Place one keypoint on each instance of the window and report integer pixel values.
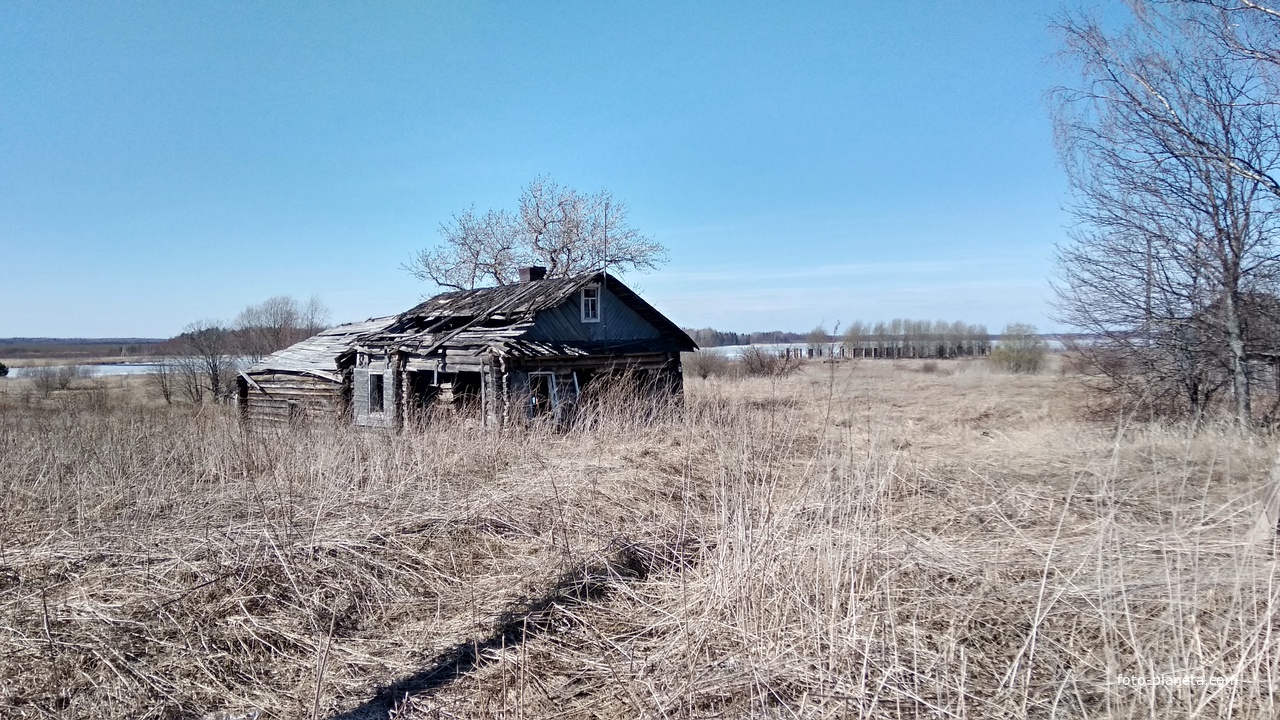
(375, 392)
(542, 393)
(591, 304)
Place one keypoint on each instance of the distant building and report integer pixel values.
(501, 354)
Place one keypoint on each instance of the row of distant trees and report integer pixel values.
(1020, 348)
(201, 363)
(710, 337)
(898, 338)
(902, 338)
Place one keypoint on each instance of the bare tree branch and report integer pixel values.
(566, 231)
(1170, 144)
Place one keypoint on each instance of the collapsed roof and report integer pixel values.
(318, 354)
(496, 319)
(486, 320)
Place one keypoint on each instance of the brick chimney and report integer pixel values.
(532, 273)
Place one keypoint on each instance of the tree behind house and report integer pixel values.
(204, 361)
(277, 323)
(564, 230)
(1168, 141)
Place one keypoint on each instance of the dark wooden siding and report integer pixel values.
(280, 397)
(617, 322)
(647, 361)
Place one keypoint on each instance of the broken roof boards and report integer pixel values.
(503, 350)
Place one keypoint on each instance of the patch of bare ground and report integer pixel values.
(858, 539)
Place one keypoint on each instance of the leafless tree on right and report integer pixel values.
(1168, 142)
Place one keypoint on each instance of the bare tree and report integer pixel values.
(277, 323)
(188, 378)
(1163, 141)
(205, 361)
(914, 335)
(1247, 32)
(854, 337)
(566, 231)
(163, 379)
(896, 337)
(48, 378)
(816, 339)
(314, 315)
(879, 340)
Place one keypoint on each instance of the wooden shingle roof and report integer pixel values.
(503, 301)
(473, 322)
(318, 354)
(498, 316)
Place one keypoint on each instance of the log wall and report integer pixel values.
(282, 397)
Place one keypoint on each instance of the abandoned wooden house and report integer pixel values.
(499, 354)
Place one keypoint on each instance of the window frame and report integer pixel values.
(382, 393)
(582, 303)
(553, 394)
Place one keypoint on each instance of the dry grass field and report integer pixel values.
(862, 540)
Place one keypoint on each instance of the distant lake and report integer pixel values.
(734, 352)
(93, 370)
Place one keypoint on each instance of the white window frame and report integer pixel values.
(582, 304)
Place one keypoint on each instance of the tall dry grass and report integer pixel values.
(855, 540)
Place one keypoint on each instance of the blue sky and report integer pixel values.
(824, 162)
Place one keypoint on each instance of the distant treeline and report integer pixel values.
(72, 348)
(710, 337)
(901, 338)
(898, 338)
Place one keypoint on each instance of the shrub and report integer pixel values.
(56, 377)
(4, 370)
(1020, 350)
(705, 363)
(163, 380)
(45, 379)
(929, 366)
(761, 362)
(1076, 363)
